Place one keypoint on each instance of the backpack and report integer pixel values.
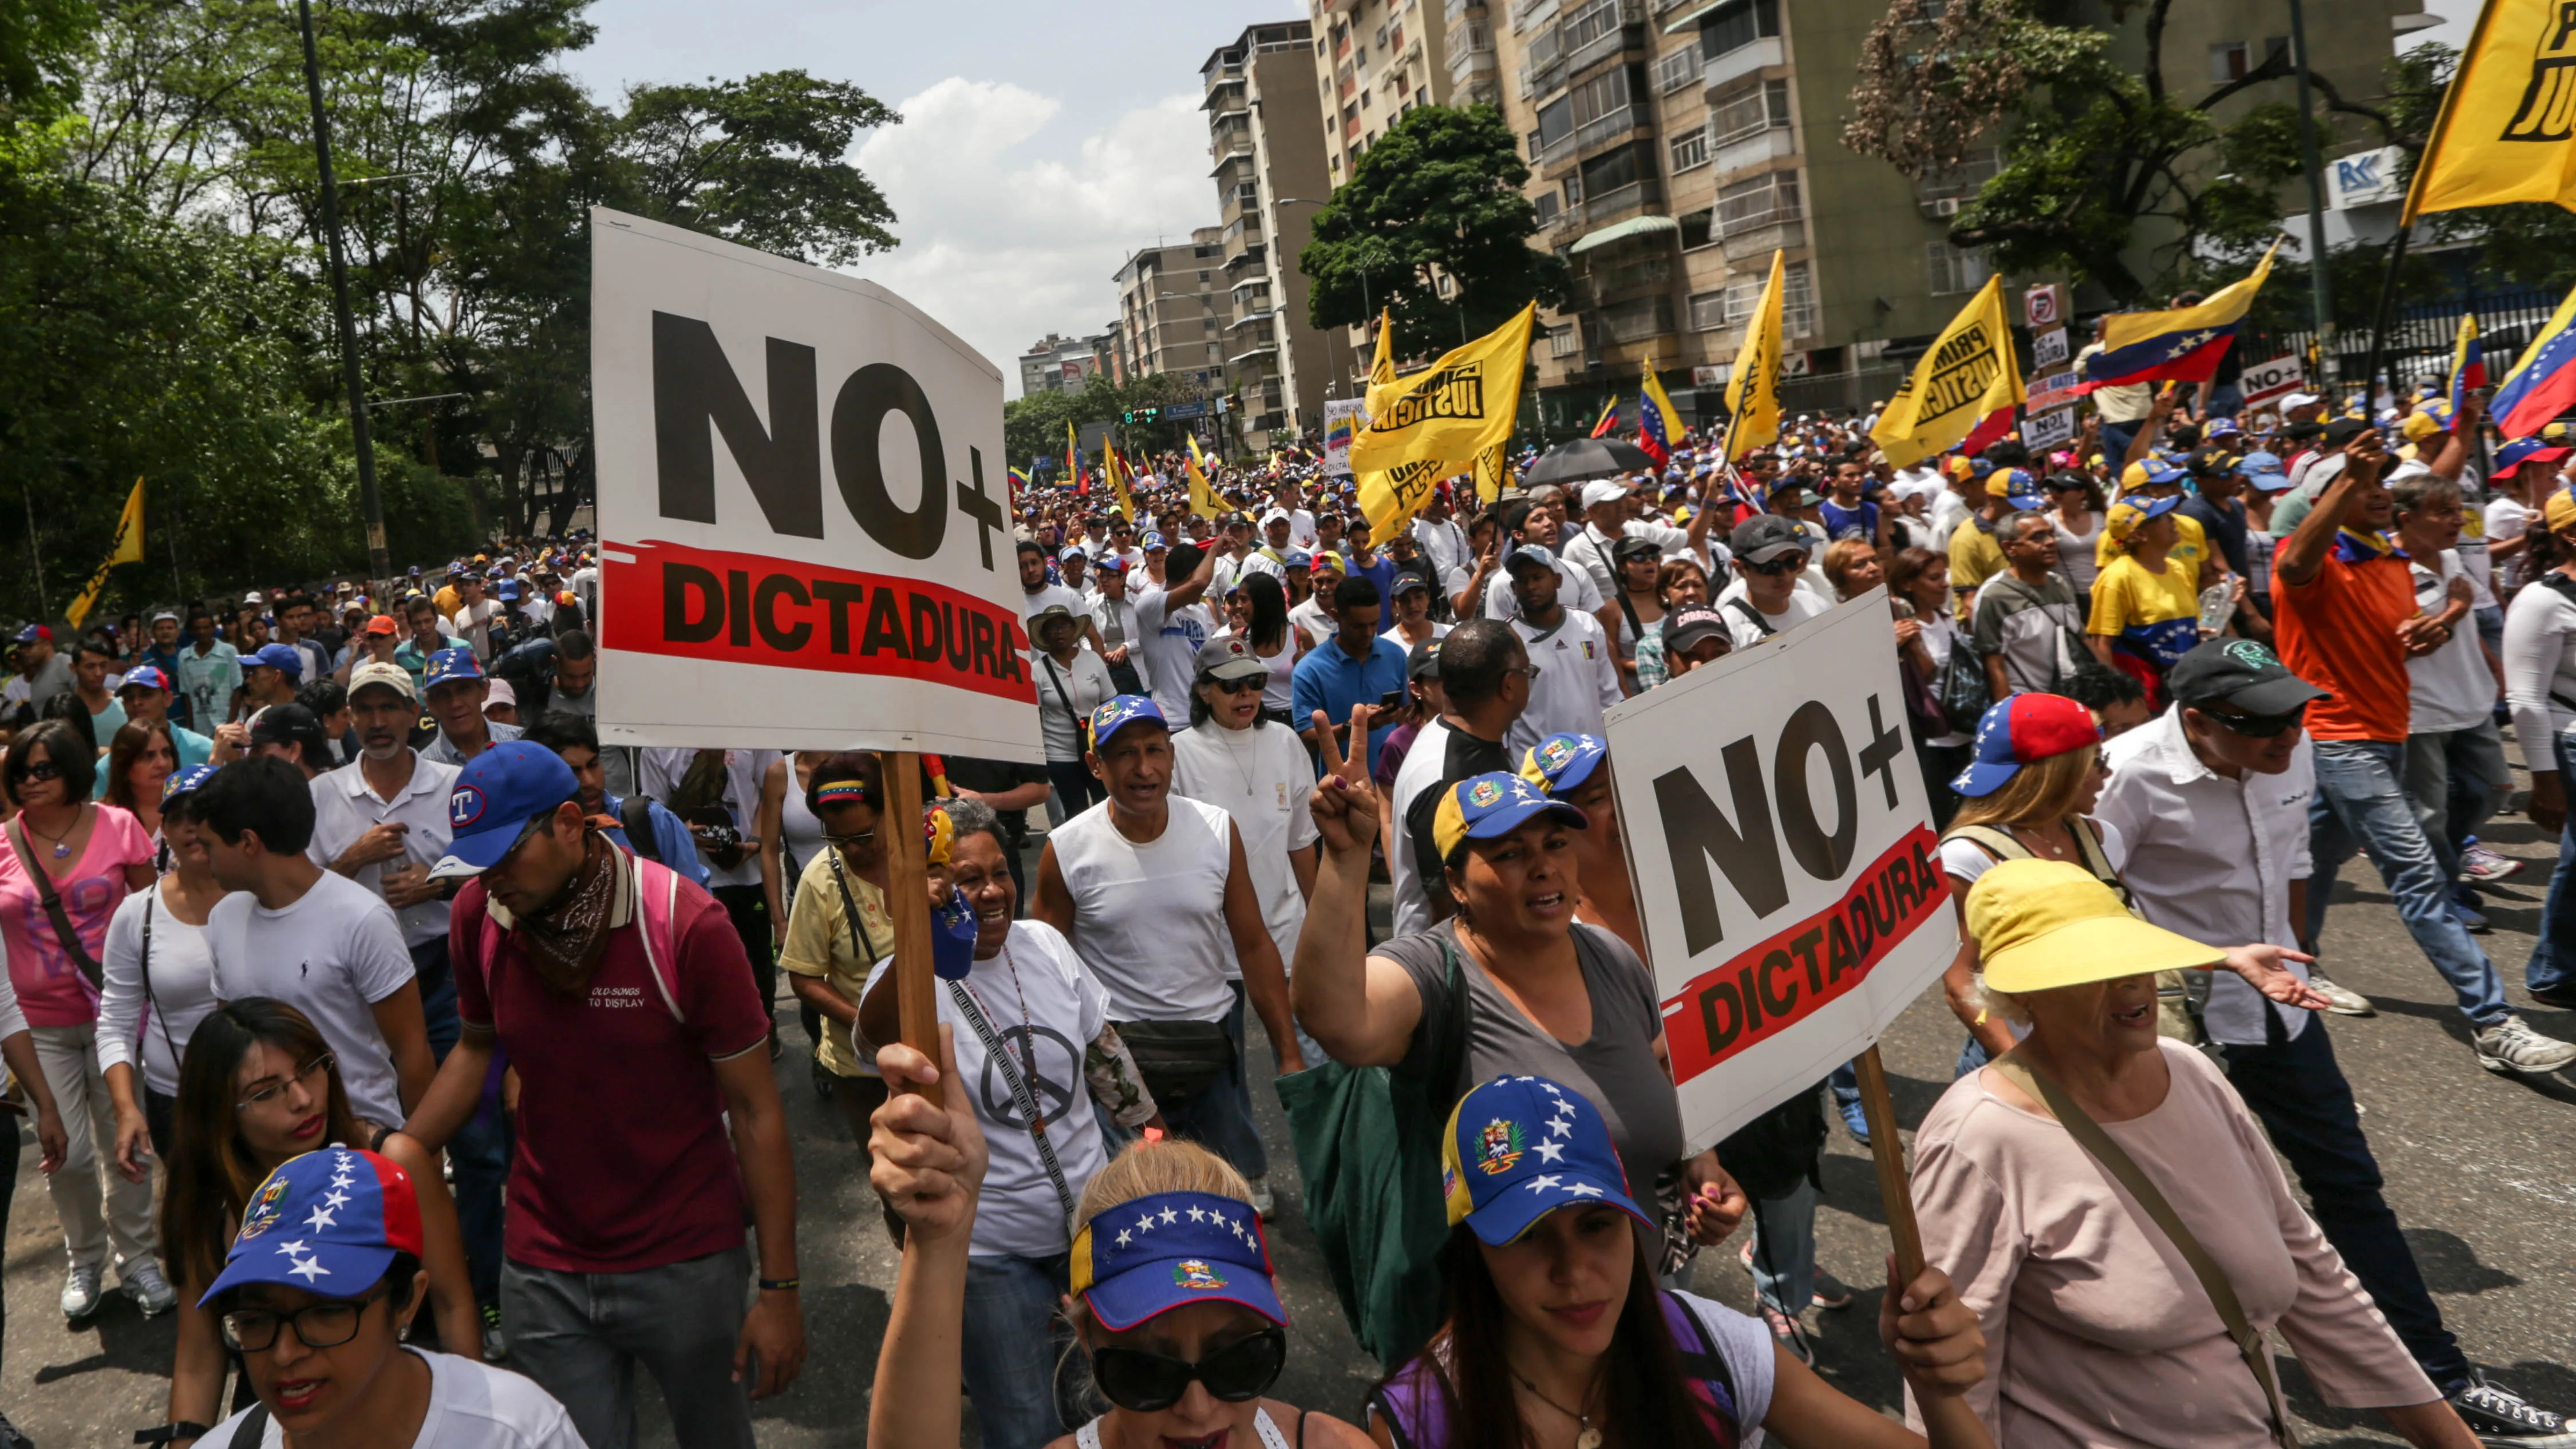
(657, 914)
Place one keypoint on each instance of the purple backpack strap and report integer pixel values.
(1711, 1387)
(1414, 1409)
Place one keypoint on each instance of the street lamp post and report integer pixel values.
(370, 502)
(2320, 288)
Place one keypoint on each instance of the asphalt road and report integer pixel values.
(2481, 1169)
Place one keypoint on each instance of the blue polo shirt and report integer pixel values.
(1332, 681)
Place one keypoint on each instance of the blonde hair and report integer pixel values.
(1148, 1168)
(2040, 793)
(1840, 555)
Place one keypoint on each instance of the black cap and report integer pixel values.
(1631, 546)
(2344, 430)
(2240, 672)
(1687, 626)
(1406, 582)
(1424, 661)
(2301, 432)
(2210, 462)
(285, 724)
(1764, 537)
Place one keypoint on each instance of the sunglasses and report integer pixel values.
(1787, 563)
(1246, 685)
(44, 770)
(2260, 726)
(1148, 1383)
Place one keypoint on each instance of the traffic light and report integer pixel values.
(1133, 416)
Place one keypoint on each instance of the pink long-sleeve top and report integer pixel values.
(2097, 1332)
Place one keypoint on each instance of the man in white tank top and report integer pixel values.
(1154, 894)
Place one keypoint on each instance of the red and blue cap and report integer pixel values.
(449, 665)
(2024, 730)
(1148, 1256)
(496, 796)
(328, 1222)
(143, 676)
(1519, 1148)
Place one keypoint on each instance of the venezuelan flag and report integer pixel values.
(2542, 383)
(1609, 418)
(1657, 422)
(2183, 343)
(2468, 361)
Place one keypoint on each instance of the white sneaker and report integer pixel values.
(80, 1291)
(151, 1292)
(1262, 1202)
(2341, 1000)
(2508, 1046)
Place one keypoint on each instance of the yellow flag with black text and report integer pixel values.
(1117, 479)
(1452, 410)
(1203, 498)
(128, 548)
(1753, 385)
(2507, 128)
(1493, 472)
(1967, 374)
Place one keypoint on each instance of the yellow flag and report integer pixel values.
(2507, 128)
(128, 548)
(1381, 378)
(1454, 409)
(1203, 499)
(1493, 472)
(1753, 386)
(1967, 374)
(1117, 479)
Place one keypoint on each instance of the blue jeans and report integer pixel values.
(1784, 1249)
(2298, 1091)
(2456, 779)
(2553, 956)
(1012, 1339)
(581, 1336)
(480, 1151)
(1971, 1056)
(2360, 805)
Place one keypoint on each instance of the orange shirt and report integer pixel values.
(2338, 631)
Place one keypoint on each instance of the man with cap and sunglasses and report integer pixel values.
(2212, 800)
(1574, 670)
(454, 688)
(625, 1241)
(1771, 558)
(315, 1296)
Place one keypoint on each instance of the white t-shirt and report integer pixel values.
(182, 989)
(474, 625)
(471, 1406)
(1578, 680)
(1310, 619)
(1965, 860)
(1263, 778)
(1172, 640)
(332, 955)
(2450, 688)
(1149, 919)
(1301, 529)
(1574, 589)
(1803, 605)
(1035, 972)
(346, 807)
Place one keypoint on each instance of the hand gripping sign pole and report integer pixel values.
(1781, 846)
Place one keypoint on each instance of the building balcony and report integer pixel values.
(1224, 92)
(1742, 61)
(1762, 239)
(1252, 256)
(1621, 202)
(1592, 135)
(1754, 150)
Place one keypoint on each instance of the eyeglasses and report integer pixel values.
(2260, 726)
(319, 1066)
(855, 837)
(1245, 685)
(1787, 563)
(1525, 671)
(1148, 1383)
(317, 1325)
(44, 770)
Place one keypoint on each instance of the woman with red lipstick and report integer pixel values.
(1558, 1338)
(258, 1087)
(2100, 1188)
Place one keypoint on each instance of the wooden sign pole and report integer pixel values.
(899, 835)
(1894, 1191)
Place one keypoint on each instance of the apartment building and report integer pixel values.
(1676, 145)
(1057, 363)
(1266, 145)
(1374, 61)
(1173, 311)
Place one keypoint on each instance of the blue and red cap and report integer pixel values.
(284, 658)
(449, 665)
(1519, 1148)
(328, 1222)
(1146, 1257)
(495, 797)
(1118, 712)
(2539, 448)
(1562, 762)
(2024, 730)
(143, 676)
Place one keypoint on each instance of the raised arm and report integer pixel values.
(1360, 1008)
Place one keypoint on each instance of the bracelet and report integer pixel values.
(174, 1430)
(779, 1285)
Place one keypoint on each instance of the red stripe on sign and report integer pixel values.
(747, 609)
(1768, 988)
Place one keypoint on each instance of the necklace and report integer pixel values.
(1586, 1437)
(2042, 844)
(62, 845)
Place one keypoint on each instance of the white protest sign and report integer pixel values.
(2049, 430)
(1784, 861)
(2056, 390)
(744, 601)
(2049, 349)
(1343, 419)
(2283, 374)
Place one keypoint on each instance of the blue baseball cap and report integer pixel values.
(2263, 470)
(1150, 1255)
(186, 782)
(284, 658)
(1298, 558)
(509, 591)
(34, 632)
(328, 1222)
(1537, 555)
(1120, 711)
(1519, 1148)
(1072, 550)
(143, 676)
(1482, 807)
(495, 797)
(1562, 762)
(1153, 539)
(449, 665)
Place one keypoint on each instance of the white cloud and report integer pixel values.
(1004, 244)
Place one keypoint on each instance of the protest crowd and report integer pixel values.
(359, 996)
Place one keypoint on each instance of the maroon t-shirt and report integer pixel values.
(622, 1161)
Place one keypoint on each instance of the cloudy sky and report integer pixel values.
(1042, 145)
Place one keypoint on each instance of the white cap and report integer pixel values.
(2300, 400)
(500, 692)
(1275, 515)
(391, 676)
(254, 597)
(1603, 491)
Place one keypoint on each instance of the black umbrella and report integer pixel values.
(1587, 458)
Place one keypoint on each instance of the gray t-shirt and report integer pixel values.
(1615, 1070)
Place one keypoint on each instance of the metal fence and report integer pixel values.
(2420, 338)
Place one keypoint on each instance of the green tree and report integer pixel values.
(1432, 228)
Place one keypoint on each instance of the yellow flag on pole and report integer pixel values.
(128, 548)
(1117, 479)
(2507, 128)
(1965, 377)
(1203, 499)
(1493, 472)
(1452, 410)
(1753, 386)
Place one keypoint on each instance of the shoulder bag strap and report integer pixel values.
(2088, 843)
(1628, 607)
(2213, 1280)
(1997, 843)
(54, 911)
(1000, 1056)
(860, 935)
(1063, 694)
(1745, 607)
(1449, 1068)
(151, 1002)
